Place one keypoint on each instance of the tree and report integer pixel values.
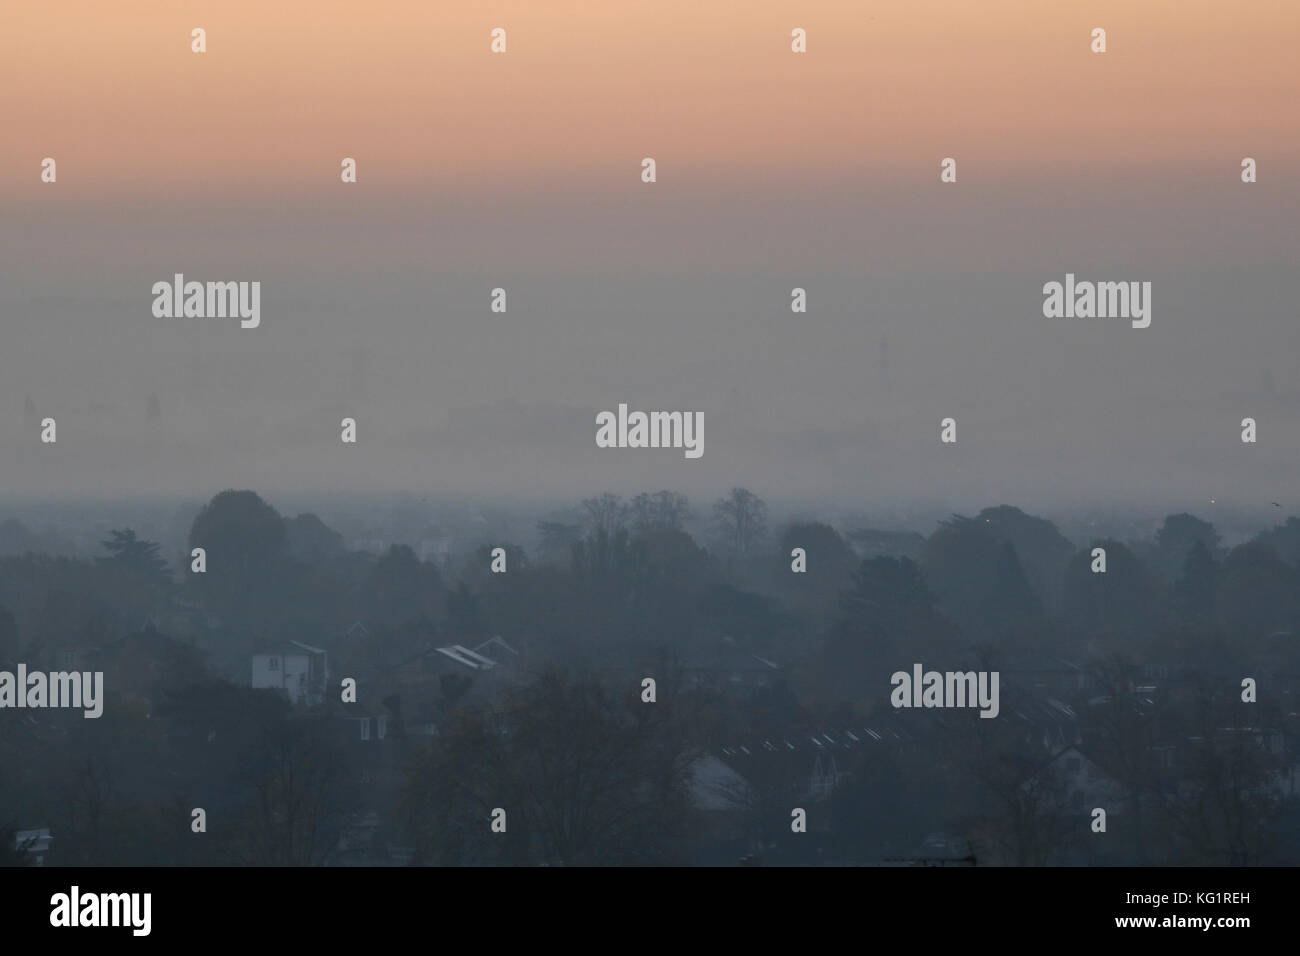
(1120, 601)
(1258, 592)
(310, 539)
(134, 578)
(246, 546)
(739, 522)
(1225, 804)
(748, 619)
(961, 561)
(605, 515)
(667, 573)
(1175, 538)
(889, 595)
(586, 776)
(663, 509)
(1012, 604)
(1194, 590)
(1284, 540)
(88, 791)
(887, 621)
(400, 587)
(295, 775)
(1123, 732)
(1028, 821)
(556, 539)
(1041, 549)
(130, 552)
(16, 538)
(465, 614)
(603, 570)
(830, 560)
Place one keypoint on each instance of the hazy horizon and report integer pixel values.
(775, 171)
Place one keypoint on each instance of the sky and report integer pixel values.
(774, 170)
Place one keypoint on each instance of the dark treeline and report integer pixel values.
(641, 682)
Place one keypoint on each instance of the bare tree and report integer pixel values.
(293, 781)
(663, 509)
(1224, 803)
(1021, 814)
(605, 514)
(585, 776)
(739, 522)
(89, 791)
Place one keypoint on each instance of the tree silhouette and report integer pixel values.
(739, 522)
(663, 509)
(246, 545)
(133, 554)
(1175, 538)
(1196, 585)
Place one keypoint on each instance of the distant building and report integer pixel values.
(1084, 784)
(438, 679)
(35, 843)
(368, 726)
(715, 786)
(298, 669)
(498, 647)
(730, 669)
(472, 660)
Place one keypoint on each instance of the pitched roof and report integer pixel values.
(497, 642)
(463, 655)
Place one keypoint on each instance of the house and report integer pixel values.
(725, 805)
(79, 657)
(1049, 675)
(35, 843)
(298, 669)
(715, 786)
(730, 669)
(1043, 722)
(496, 648)
(472, 660)
(368, 726)
(430, 681)
(1084, 785)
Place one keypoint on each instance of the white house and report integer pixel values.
(298, 669)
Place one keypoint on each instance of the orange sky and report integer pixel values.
(775, 170)
(710, 89)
